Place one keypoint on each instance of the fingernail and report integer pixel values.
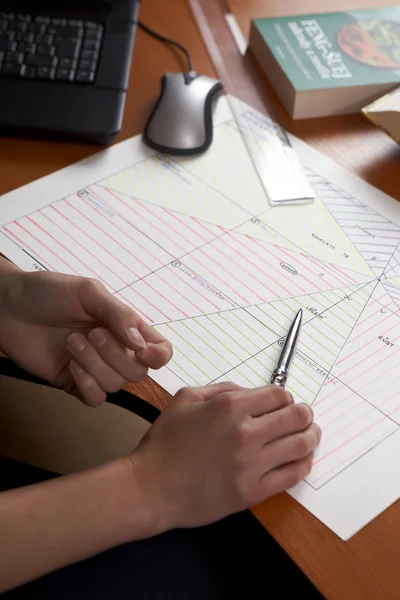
(309, 410)
(76, 342)
(98, 337)
(319, 430)
(76, 368)
(136, 337)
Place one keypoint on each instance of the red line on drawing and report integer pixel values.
(171, 214)
(34, 252)
(223, 268)
(268, 275)
(350, 439)
(93, 240)
(277, 257)
(365, 359)
(165, 298)
(348, 459)
(319, 415)
(261, 260)
(134, 256)
(346, 412)
(182, 280)
(134, 290)
(303, 265)
(106, 234)
(127, 235)
(340, 271)
(144, 280)
(49, 249)
(136, 309)
(69, 251)
(373, 326)
(221, 240)
(81, 245)
(163, 233)
(198, 222)
(180, 294)
(329, 266)
(339, 431)
(335, 391)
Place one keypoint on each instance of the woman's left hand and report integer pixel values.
(73, 333)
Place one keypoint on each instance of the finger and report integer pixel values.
(89, 391)
(154, 351)
(282, 479)
(262, 400)
(119, 358)
(91, 362)
(283, 422)
(291, 448)
(202, 394)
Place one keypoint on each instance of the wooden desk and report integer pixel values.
(366, 567)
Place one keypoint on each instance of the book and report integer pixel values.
(385, 113)
(331, 63)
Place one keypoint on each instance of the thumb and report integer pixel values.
(202, 394)
(114, 314)
(152, 349)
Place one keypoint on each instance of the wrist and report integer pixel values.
(142, 516)
(8, 274)
(148, 483)
(9, 277)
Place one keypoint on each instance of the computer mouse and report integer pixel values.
(181, 122)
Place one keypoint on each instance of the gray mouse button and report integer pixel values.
(181, 122)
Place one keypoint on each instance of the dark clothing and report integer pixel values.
(235, 558)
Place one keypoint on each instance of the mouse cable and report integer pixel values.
(166, 40)
(156, 35)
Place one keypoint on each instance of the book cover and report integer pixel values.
(334, 50)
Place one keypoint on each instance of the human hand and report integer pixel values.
(73, 333)
(217, 450)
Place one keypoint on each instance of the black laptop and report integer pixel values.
(64, 67)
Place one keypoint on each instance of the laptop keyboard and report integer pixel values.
(45, 48)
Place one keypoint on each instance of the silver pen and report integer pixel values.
(279, 376)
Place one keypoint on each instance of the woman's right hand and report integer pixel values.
(220, 449)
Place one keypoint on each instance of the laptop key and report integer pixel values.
(84, 76)
(57, 21)
(67, 63)
(35, 28)
(14, 57)
(11, 68)
(6, 45)
(44, 38)
(68, 48)
(7, 36)
(36, 60)
(26, 48)
(46, 50)
(89, 54)
(91, 44)
(65, 74)
(45, 73)
(42, 20)
(87, 65)
(93, 34)
(28, 72)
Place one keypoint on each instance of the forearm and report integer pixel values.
(8, 272)
(49, 525)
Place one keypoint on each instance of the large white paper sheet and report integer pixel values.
(196, 248)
